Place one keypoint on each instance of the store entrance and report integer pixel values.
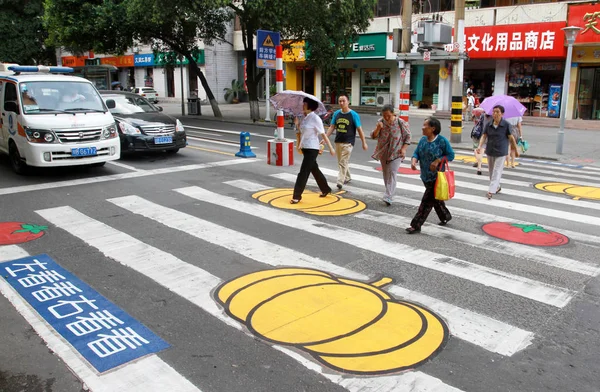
(588, 94)
(339, 81)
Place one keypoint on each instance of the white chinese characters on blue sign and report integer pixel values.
(100, 331)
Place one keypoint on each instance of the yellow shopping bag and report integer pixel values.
(444, 184)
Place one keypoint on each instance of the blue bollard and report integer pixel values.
(245, 151)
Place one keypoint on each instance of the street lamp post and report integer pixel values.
(570, 34)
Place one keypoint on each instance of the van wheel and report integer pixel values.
(19, 166)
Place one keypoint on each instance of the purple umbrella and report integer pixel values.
(512, 107)
(290, 101)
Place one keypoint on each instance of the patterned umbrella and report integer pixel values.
(290, 101)
(512, 107)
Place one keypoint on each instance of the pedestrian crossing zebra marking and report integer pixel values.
(196, 285)
(524, 287)
(474, 215)
(348, 325)
(312, 203)
(478, 329)
(578, 192)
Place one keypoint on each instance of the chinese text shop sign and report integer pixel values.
(586, 16)
(101, 332)
(522, 40)
(368, 46)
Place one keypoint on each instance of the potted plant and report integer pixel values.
(232, 94)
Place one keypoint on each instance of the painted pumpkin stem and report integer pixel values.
(382, 282)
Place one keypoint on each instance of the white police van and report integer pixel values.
(50, 119)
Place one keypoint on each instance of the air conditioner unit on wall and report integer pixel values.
(383, 99)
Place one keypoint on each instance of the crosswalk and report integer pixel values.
(493, 294)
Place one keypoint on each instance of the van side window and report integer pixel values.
(10, 95)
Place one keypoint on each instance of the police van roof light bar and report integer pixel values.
(17, 69)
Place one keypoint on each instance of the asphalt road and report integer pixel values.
(171, 241)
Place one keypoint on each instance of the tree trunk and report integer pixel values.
(252, 83)
(211, 98)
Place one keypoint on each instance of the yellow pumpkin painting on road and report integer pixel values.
(472, 159)
(576, 191)
(347, 325)
(311, 203)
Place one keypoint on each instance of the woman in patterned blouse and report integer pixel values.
(429, 153)
(394, 137)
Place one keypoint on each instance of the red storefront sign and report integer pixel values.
(73, 61)
(539, 40)
(586, 16)
(121, 61)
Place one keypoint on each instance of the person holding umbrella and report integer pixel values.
(311, 128)
(497, 137)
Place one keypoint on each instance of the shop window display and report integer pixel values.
(530, 83)
(373, 81)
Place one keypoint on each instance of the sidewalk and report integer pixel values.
(580, 147)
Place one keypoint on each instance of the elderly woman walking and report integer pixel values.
(393, 136)
(432, 148)
(497, 138)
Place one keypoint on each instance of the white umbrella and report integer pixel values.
(291, 102)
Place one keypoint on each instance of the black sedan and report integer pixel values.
(142, 126)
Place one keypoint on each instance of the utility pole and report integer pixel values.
(406, 47)
(457, 73)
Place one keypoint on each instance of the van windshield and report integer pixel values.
(50, 96)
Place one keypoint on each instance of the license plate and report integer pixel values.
(163, 140)
(83, 151)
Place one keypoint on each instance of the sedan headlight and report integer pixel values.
(109, 132)
(40, 136)
(128, 129)
(179, 126)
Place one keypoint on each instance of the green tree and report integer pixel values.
(114, 26)
(329, 26)
(23, 33)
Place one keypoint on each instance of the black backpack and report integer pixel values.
(477, 129)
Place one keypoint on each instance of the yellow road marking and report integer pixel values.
(350, 326)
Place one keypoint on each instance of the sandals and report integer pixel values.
(294, 201)
(412, 230)
(498, 190)
(489, 195)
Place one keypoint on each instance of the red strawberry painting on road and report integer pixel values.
(527, 234)
(18, 232)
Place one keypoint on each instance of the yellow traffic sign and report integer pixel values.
(268, 42)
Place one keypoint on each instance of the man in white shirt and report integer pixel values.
(470, 106)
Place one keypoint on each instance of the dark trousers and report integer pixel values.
(309, 165)
(427, 203)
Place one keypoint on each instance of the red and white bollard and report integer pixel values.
(404, 103)
(280, 152)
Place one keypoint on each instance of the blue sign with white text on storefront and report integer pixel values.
(143, 60)
(266, 41)
(100, 331)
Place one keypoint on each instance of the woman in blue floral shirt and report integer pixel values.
(431, 149)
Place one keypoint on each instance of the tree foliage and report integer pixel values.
(23, 33)
(329, 26)
(114, 26)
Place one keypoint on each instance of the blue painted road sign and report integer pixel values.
(101, 332)
(266, 41)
